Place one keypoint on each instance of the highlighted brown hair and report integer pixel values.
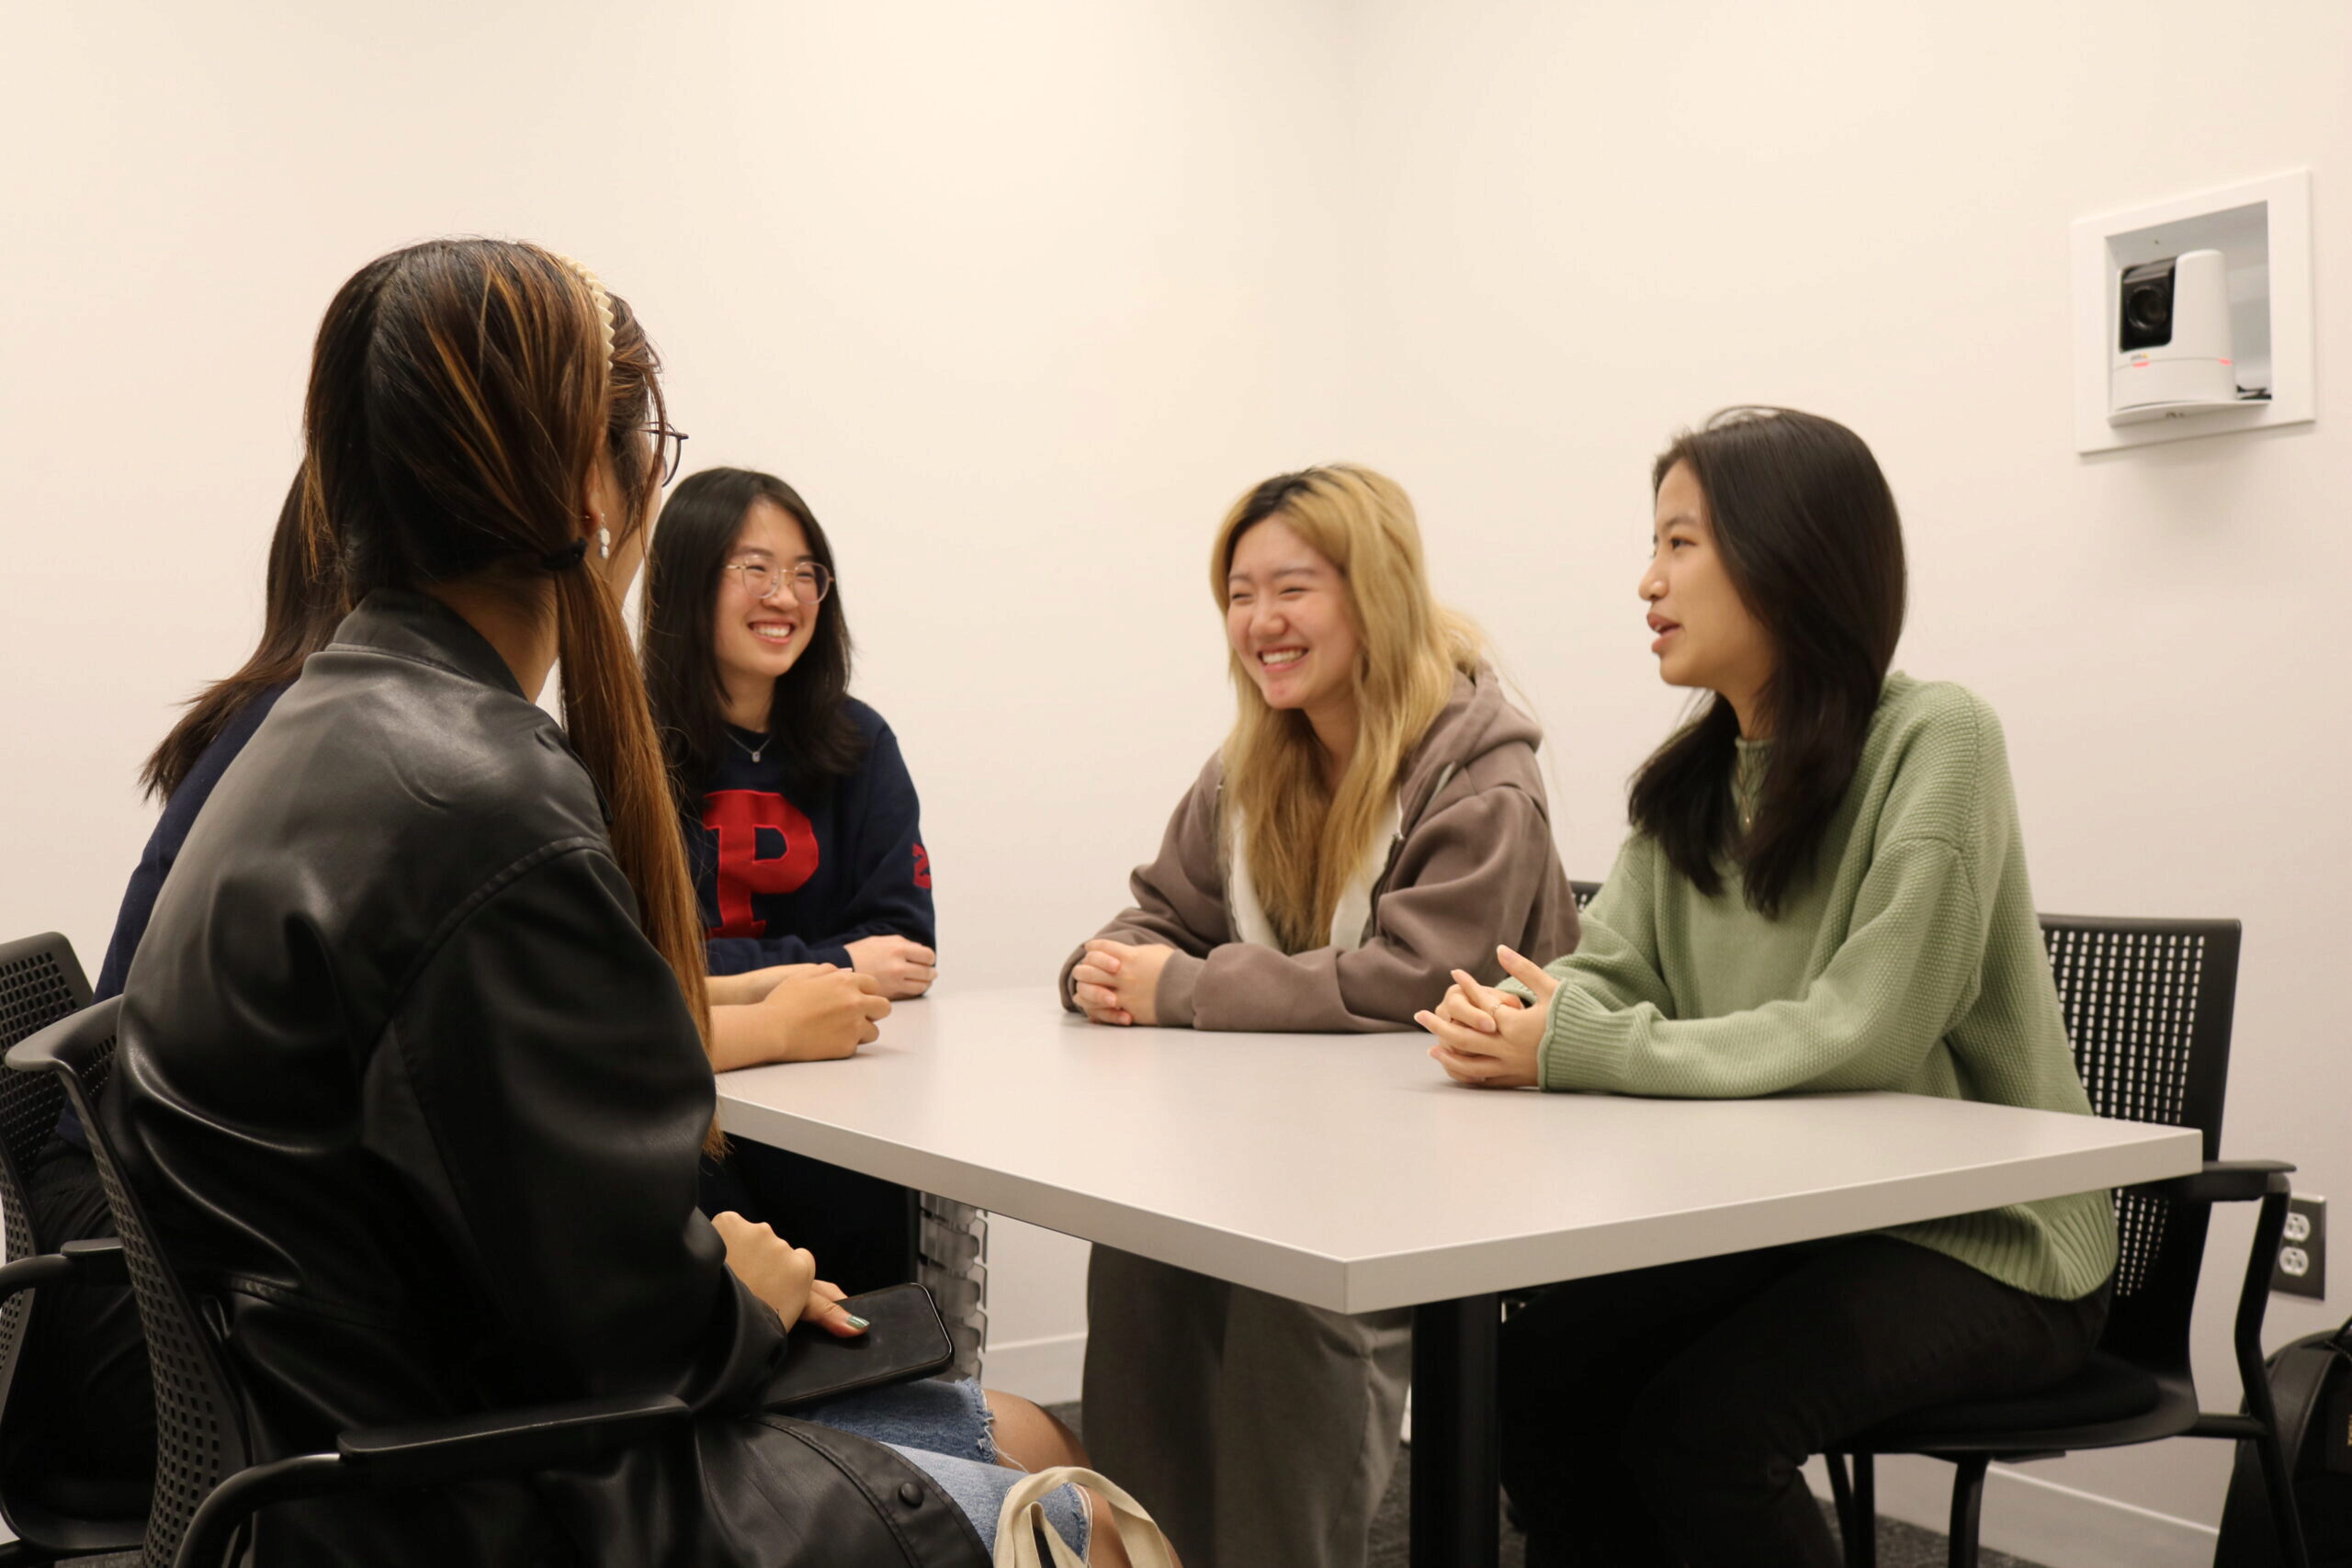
(460, 398)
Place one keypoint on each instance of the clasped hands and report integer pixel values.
(1489, 1038)
(1118, 982)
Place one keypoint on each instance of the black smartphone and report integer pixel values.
(904, 1339)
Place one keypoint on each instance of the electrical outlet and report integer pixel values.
(2302, 1269)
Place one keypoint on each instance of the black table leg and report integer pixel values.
(1457, 1448)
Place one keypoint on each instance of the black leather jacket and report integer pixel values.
(412, 1097)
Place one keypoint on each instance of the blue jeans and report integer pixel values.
(945, 1429)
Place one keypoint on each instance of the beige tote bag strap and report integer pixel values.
(1022, 1519)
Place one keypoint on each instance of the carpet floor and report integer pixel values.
(1899, 1545)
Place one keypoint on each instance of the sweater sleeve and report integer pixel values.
(1616, 961)
(893, 893)
(1179, 897)
(741, 954)
(1464, 881)
(1908, 969)
(1911, 963)
(1904, 974)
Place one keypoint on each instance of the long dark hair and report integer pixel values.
(461, 395)
(1810, 537)
(808, 711)
(302, 602)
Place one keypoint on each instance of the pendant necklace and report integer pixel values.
(765, 741)
(1747, 784)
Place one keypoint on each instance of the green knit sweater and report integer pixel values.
(1910, 960)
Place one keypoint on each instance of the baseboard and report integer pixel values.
(1048, 1371)
(2038, 1520)
(2025, 1514)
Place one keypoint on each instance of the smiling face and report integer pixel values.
(754, 640)
(1705, 635)
(1286, 615)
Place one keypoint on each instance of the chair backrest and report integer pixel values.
(200, 1428)
(1584, 892)
(41, 982)
(2148, 1007)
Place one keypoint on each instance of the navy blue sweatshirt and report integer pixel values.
(796, 880)
(164, 847)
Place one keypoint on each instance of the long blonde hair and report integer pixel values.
(1303, 839)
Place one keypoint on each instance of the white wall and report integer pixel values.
(1019, 295)
(1588, 225)
(1022, 296)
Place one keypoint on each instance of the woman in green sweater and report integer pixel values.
(1825, 889)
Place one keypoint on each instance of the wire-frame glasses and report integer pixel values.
(809, 580)
(672, 449)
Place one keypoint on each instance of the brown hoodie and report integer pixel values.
(1473, 866)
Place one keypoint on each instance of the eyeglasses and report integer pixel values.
(809, 580)
(673, 448)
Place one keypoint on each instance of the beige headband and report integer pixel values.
(603, 302)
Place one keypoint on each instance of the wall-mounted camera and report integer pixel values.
(2172, 347)
(2147, 304)
(2193, 316)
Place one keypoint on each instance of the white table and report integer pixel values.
(1349, 1172)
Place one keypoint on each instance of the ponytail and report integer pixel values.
(461, 394)
(612, 731)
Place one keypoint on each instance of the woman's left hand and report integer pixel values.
(1119, 983)
(1489, 1038)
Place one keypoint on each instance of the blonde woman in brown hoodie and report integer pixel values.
(1375, 821)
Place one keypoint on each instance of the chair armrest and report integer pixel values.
(30, 1273)
(2254, 1295)
(97, 1262)
(534, 1437)
(423, 1453)
(2225, 1181)
(77, 1262)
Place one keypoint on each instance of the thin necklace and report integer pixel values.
(765, 741)
(1745, 786)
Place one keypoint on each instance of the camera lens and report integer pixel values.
(2148, 308)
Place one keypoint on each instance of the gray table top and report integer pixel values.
(1349, 1172)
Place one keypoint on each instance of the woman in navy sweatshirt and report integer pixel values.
(800, 820)
(801, 824)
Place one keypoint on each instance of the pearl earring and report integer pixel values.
(604, 542)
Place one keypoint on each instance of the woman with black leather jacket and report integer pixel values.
(412, 1065)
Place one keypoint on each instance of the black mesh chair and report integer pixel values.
(2148, 1007)
(1585, 892)
(206, 1484)
(53, 1516)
